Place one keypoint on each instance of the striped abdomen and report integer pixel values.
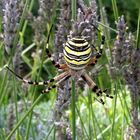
(77, 53)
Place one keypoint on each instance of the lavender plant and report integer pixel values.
(63, 27)
(12, 11)
(10, 22)
(84, 26)
(126, 62)
(63, 96)
(44, 16)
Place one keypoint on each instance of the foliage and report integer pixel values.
(27, 114)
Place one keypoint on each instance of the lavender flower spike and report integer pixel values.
(10, 22)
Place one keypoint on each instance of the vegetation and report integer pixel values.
(72, 111)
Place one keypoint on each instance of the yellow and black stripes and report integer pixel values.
(100, 92)
(102, 43)
(62, 77)
(56, 64)
(31, 82)
(95, 58)
(77, 53)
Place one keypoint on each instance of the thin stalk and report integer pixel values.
(87, 2)
(89, 117)
(22, 20)
(93, 121)
(33, 90)
(23, 118)
(54, 134)
(2, 87)
(29, 125)
(26, 21)
(122, 127)
(73, 110)
(15, 101)
(2, 95)
(30, 117)
(138, 31)
(125, 106)
(49, 132)
(115, 9)
(97, 125)
(114, 114)
(20, 25)
(74, 9)
(100, 4)
(90, 99)
(82, 123)
(34, 95)
(108, 27)
(107, 129)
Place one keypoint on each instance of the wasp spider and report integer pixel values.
(77, 55)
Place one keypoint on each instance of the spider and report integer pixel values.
(77, 55)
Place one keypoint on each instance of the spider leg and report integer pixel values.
(56, 64)
(94, 87)
(93, 61)
(101, 45)
(40, 83)
(95, 58)
(60, 78)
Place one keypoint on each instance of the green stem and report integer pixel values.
(74, 8)
(53, 127)
(115, 9)
(82, 123)
(107, 27)
(14, 95)
(2, 87)
(28, 125)
(73, 110)
(23, 118)
(138, 31)
(20, 24)
(114, 114)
